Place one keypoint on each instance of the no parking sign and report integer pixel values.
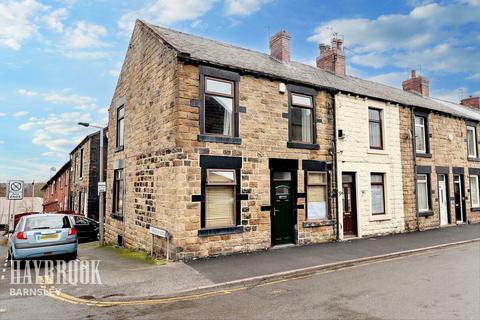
(15, 190)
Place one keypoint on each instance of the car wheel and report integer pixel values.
(98, 236)
(9, 255)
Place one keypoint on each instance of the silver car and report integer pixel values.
(44, 236)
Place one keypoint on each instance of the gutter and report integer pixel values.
(414, 158)
(335, 161)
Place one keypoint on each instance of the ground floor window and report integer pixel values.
(474, 191)
(378, 193)
(220, 198)
(423, 194)
(316, 195)
(118, 191)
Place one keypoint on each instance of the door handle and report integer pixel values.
(275, 211)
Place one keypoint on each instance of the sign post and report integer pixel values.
(162, 233)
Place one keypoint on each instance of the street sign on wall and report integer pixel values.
(15, 190)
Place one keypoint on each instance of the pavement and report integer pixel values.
(126, 279)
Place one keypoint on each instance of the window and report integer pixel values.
(378, 193)
(474, 191)
(472, 141)
(80, 174)
(420, 134)
(423, 192)
(219, 107)
(120, 125)
(301, 118)
(375, 128)
(316, 195)
(118, 191)
(220, 198)
(80, 202)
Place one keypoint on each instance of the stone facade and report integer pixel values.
(355, 156)
(56, 191)
(163, 152)
(84, 176)
(448, 150)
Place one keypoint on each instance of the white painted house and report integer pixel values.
(370, 192)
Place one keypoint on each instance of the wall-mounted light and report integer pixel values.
(450, 137)
(281, 87)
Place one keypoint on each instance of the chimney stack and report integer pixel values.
(416, 84)
(472, 102)
(280, 46)
(332, 57)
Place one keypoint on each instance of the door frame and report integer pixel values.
(354, 194)
(462, 197)
(447, 192)
(284, 165)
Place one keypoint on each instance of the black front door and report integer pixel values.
(458, 192)
(282, 219)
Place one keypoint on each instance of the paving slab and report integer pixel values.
(241, 266)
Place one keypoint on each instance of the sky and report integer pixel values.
(60, 59)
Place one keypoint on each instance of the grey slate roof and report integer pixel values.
(206, 50)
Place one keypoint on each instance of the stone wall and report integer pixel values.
(356, 156)
(448, 148)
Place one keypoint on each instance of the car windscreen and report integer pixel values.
(48, 222)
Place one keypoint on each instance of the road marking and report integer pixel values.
(58, 295)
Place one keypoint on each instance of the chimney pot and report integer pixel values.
(414, 74)
(280, 46)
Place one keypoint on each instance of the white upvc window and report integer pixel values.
(472, 141)
(420, 135)
(474, 191)
(423, 194)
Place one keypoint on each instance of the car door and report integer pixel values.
(83, 227)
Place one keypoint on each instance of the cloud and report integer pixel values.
(55, 18)
(2, 114)
(2, 142)
(393, 79)
(475, 76)
(243, 7)
(53, 154)
(16, 22)
(85, 35)
(430, 35)
(61, 124)
(453, 95)
(25, 92)
(166, 12)
(20, 114)
(78, 101)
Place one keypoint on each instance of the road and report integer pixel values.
(443, 284)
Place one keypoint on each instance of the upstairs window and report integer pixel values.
(120, 126)
(420, 134)
(472, 141)
(220, 198)
(316, 195)
(80, 174)
(375, 128)
(219, 107)
(301, 118)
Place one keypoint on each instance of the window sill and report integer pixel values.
(118, 149)
(425, 213)
(475, 209)
(219, 139)
(473, 159)
(318, 223)
(377, 151)
(219, 231)
(380, 217)
(298, 145)
(116, 216)
(424, 155)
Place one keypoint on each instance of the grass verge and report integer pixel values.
(134, 255)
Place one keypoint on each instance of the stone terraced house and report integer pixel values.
(232, 150)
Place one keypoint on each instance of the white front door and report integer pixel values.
(442, 198)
